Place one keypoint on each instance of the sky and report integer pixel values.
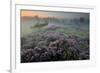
(42, 14)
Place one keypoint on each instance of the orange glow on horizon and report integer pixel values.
(32, 13)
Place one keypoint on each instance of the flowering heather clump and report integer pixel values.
(53, 46)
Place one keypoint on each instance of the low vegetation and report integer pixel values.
(55, 42)
(53, 46)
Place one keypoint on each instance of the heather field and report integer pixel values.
(63, 37)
